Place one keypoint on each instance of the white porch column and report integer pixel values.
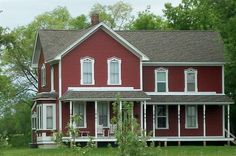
(141, 117)
(71, 124)
(120, 111)
(96, 118)
(178, 120)
(145, 118)
(153, 121)
(228, 111)
(204, 120)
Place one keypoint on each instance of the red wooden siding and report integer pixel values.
(214, 122)
(100, 46)
(209, 79)
(56, 78)
(65, 116)
(47, 87)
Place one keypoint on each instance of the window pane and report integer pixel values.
(161, 76)
(161, 116)
(161, 111)
(78, 109)
(114, 72)
(87, 72)
(103, 113)
(161, 122)
(49, 117)
(191, 77)
(191, 86)
(161, 87)
(191, 116)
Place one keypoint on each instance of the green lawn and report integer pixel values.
(163, 151)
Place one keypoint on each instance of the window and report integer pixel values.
(46, 116)
(114, 71)
(49, 117)
(190, 80)
(34, 120)
(161, 80)
(87, 71)
(103, 113)
(43, 75)
(39, 110)
(79, 108)
(191, 117)
(161, 117)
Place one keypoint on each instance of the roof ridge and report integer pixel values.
(62, 29)
(166, 31)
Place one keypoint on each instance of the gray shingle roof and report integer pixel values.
(46, 95)
(159, 46)
(190, 98)
(110, 95)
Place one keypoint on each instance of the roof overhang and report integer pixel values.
(36, 52)
(183, 63)
(112, 33)
(71, 95)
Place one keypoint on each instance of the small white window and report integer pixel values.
(39, 110)
(49, 117)
(43, 75)
(161, 77)
(191, 116)
(34, 121)
(87, 71)
(103, 114)
(190, 80)
(79, 108)
(161, 117)
(114, 71)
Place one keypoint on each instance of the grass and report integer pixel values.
(163, 151)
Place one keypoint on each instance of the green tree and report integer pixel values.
(116, 16)
(190, 15)
(148, 21)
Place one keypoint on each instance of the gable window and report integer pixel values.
(191, 116)
(46, 116)
(43, 75)
(87, 71)
(161, 77)
(103, 113)
(79, 108)
(161, 117)
(114, 71)
(190, 80)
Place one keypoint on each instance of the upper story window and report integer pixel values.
(161, 78)
(43, 75)
(190, 80)
(87, 71)
(114, 71)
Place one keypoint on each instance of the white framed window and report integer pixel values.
(46, 116)
(87, 71)
(162, 117)
(190, 80)
(161, 80)
(52, 78)
(79, 108)
(191, 116)
(114, 71)
(103, 113)
(43, 75)
(34, 120)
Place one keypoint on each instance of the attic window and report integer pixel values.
(87, 71)
(43, 75)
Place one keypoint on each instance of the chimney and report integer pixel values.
(94, 19)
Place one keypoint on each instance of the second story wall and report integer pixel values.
(209, 79)
(100, 47)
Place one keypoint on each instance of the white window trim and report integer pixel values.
(85, 114)
(34, 121)
(190, 70)
(108, 115)
(43, 78)
(161, 70)
(38, 122)
(108, 70)
(44, 118)
(186, 126)
(81, 70)
(52, 78)
(167, 117)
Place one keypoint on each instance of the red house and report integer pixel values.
(174, 78)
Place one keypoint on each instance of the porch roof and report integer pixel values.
(190, 99)
(104, 95)
(46, 96)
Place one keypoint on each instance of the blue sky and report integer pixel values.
(21, 12)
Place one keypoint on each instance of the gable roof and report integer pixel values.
(152, 46)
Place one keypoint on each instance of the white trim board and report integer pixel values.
(189, 103)
(183, 93)
(101, 89)
(183, 63)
